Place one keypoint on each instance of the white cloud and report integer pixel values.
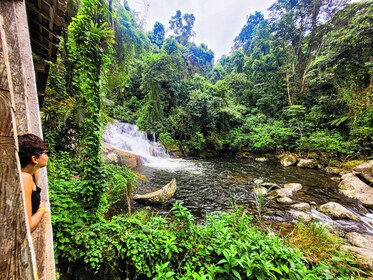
(217, 23)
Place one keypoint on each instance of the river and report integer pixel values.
(221, 184)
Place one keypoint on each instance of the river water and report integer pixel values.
(220, 184)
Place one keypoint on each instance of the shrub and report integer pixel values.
(319, 141)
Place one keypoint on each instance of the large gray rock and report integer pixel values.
(117, 156)
(307, 163)
(288, 160)
(157, 197)
(364, 256)
(353, 187)
(337, 211)
(360, 240)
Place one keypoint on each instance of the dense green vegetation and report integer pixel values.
(300, 80)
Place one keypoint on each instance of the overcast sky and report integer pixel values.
(217, 22)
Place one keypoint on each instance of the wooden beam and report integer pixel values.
(22, 86)
(35, 23)
(17, 254)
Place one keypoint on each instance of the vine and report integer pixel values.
(89, 45)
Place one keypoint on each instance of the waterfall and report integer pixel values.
(129, 138)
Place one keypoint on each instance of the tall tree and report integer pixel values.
(157, 36)
(296, 27)
(243, 40)
(182, 27)
(90, 38)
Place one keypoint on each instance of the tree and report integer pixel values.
(243, 40)
(296, 27)
(89, 41)
(182, 26)
(157, 36)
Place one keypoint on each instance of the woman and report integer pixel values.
(33, 156)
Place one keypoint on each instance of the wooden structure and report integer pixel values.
(24, 256)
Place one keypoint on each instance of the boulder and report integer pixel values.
(260, 191)
(302, 206)
(284, 192)
(293, 186)
(307, 163)
(365, 170)
(353, 187)
(360, 240)
(301, 216)
(159, 196)
(117, 156)
(285, 200)
(364, 256)
(288, 160)
(337, 211)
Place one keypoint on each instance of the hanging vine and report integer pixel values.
(89, 44)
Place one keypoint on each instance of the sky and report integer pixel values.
(217, 22)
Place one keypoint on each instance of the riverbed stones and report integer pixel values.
(293, 186)
(337, 211)
(302, 206)
(285, 200)
(353, 187)
(301, 216)
(307, 163)
(288, 160)
(364, 256)
(360, 240)
(284, 192)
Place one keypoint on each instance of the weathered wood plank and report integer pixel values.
(17, 260)
(22, 87)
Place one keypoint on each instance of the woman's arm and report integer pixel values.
(35, 219)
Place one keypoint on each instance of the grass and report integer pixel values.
(321, 248)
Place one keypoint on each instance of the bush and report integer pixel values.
(326, 141)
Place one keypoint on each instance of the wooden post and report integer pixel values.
(17, 260)
(22, 86)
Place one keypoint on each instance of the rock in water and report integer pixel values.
(337, 211)
(353, 187)
(160, 196)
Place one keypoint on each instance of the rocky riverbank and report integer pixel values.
(355, 184)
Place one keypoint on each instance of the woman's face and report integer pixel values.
(42, 160)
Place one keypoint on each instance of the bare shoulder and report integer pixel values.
(28, 182)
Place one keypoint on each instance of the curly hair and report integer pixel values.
(29, 145)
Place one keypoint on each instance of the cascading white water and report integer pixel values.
(129, 138)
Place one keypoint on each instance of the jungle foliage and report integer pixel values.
(299, 80)
(305, 70)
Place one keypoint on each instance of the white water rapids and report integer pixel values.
(129, 138)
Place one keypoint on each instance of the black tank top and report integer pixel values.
(35, 198)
